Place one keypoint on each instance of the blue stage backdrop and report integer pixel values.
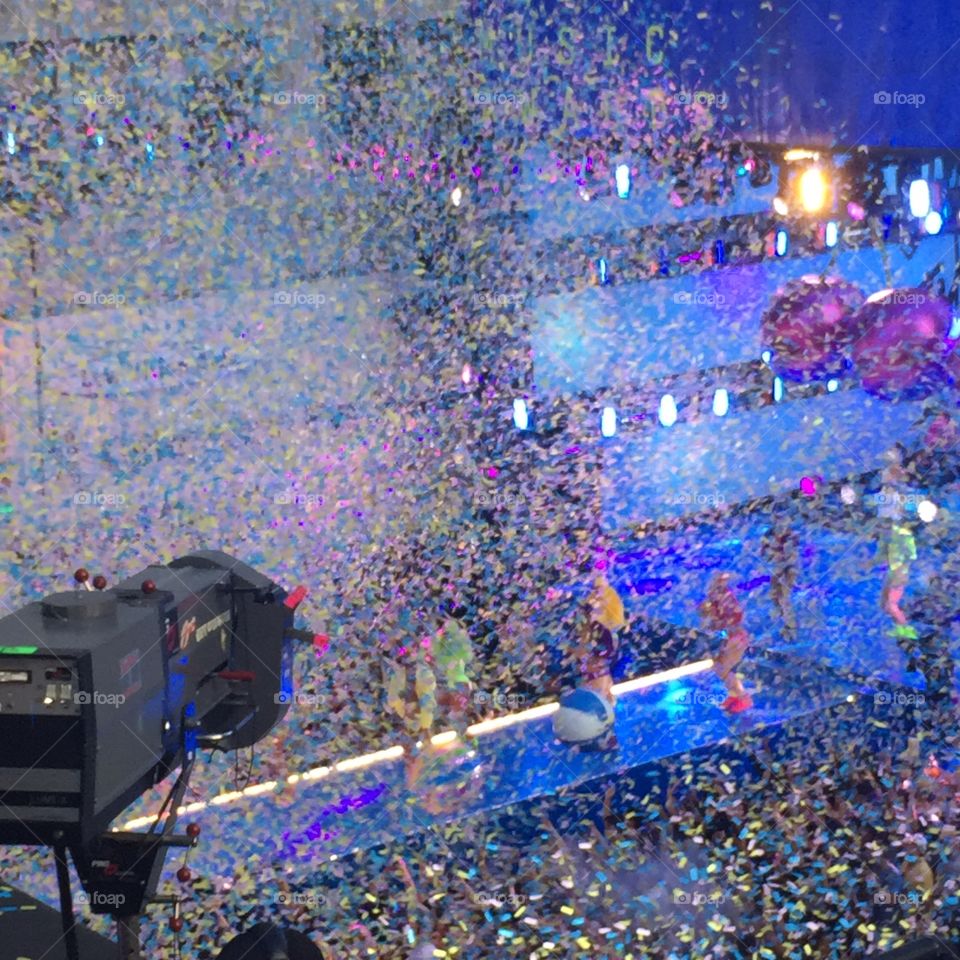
(814, 72)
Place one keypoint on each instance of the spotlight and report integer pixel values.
(668, 410)
(808, 486)
(780, 207)
(11, 143)
(467, 374)
(927, 511)
(721, 402)
(831, 234)
(919, 199)
(782, 242)
(791, 156)
(848, 495)
(766, 356)
(933, 223)
(602, 271)
(623, 181)
(456, 196)
(608, 422)
(777, 389)
(833, 386)
(813, 189)
(521, 418)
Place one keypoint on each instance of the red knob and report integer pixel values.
(100, 581)
(148, 586)
(176, 924)
(81, 575)
(193, 830)
(184, 875)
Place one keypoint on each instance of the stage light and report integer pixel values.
(814, 190)
(927, 511)
(833, 386)
(793, 155)
(584, 195)
(782, 242)
(848, 495)
(149, 151)
(456, 196)
(919, 199)
(466, 374)
(11, 143)
(668, 410)
(831, 233)
(777, 389)
(608, 422)
(954, 333)
(721, 402)
(766, 356)
(780, 207)
(623, 181)
(933, 223)
(808, 486)
(602, 270)
(521, 419)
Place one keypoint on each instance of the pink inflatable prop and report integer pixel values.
(808, 327)
(902, 349)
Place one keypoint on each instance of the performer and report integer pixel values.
(722, 613)
(586, 714)
(781, 549)
(901, 552)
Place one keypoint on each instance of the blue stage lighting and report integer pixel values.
(782, 242)
(831, 233)
(919, 199)
(623, 181)
(933, 223)
(721, 402)
(777, 389)
(668, 410)
(608, 422)
(521, 419)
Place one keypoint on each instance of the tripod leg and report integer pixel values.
(128, 933)
(66, 904)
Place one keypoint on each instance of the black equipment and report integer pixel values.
(103, 693)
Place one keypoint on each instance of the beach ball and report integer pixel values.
(583, 715)
(808, 327)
